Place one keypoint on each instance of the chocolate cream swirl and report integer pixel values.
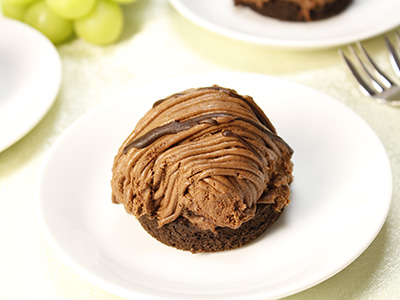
(207, 154)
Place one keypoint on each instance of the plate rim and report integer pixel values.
(278, 43)
(125, 292)
(48, 93)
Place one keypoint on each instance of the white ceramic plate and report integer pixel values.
(30, 76)
(361, 20)
(341, 173)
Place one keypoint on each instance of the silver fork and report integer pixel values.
(371, 79)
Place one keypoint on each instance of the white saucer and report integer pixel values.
(361, 20)
(341, 173)
(30, 77)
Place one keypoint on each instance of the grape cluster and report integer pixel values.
(98, 22)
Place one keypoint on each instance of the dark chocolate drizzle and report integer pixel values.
(178, 126)
(172, 128)
(158, 102)
(242, 140)
(231, 93)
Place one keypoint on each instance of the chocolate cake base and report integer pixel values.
(290, 11)
(182, 234)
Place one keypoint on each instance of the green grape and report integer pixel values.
(71, 9)
(103, 25)
(124, 1)
(16, 2)
(56, 28)
(15, 11)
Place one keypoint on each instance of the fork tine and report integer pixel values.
(364, 86)
(375, 83)
(394, 56)
(382, 76)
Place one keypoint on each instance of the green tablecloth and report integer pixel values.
(159, 44)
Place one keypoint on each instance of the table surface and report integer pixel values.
(158, 44)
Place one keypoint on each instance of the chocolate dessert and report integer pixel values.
(204, 170)
(296, 10)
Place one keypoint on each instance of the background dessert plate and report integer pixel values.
(341, 196)
(30, 77)
(361, 20)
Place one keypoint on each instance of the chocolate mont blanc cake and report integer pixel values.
(296, 10)
(204, 170)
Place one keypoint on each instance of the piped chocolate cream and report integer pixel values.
(209, 155)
